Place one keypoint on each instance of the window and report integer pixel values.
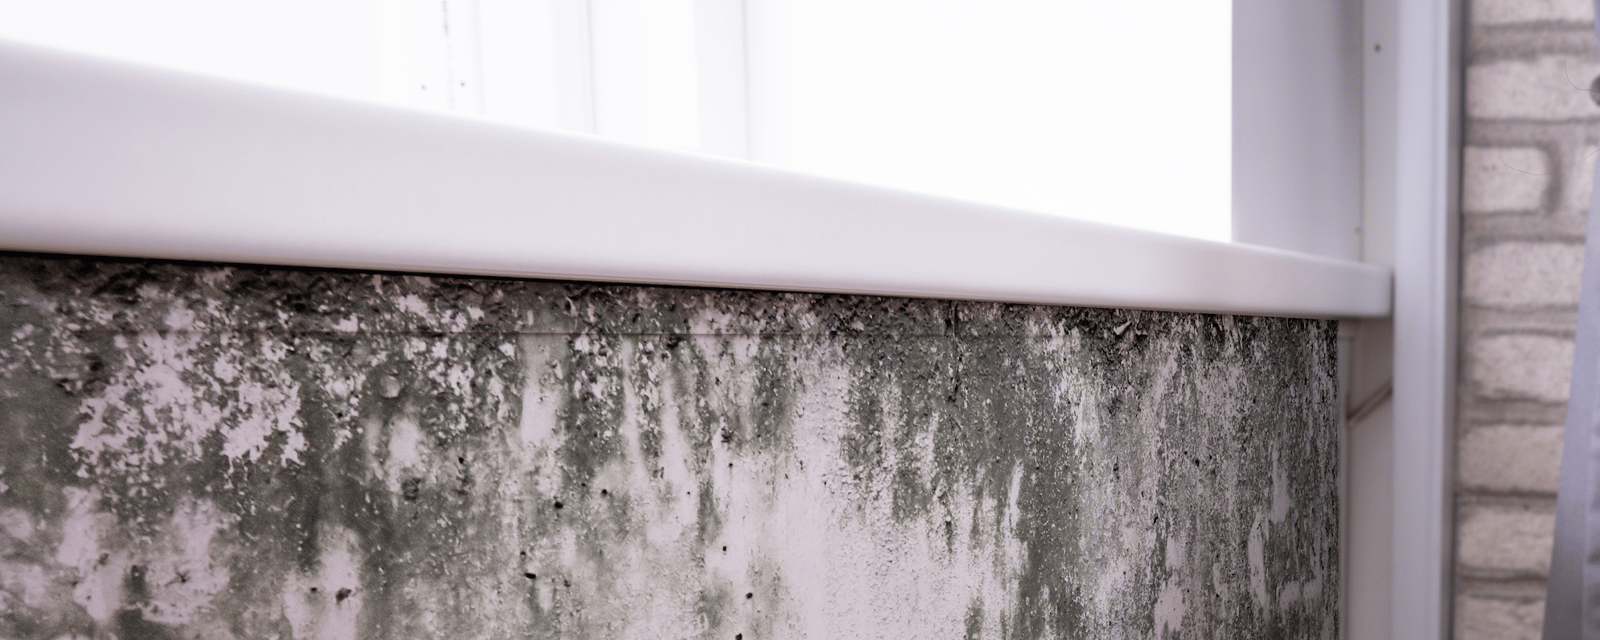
(1064, 108)
(1317, 72)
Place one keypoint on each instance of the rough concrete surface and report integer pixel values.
(192, 451)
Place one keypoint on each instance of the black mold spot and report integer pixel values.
(135, 585)
(530, 575)
(558, 504)
(131, 625)
(342, 594)
(464, 480)
(959, 374)
(974, 621)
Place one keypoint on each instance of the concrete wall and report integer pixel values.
(1532, 122)
(201, 452)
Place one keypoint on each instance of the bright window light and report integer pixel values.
(323, 45)
(1108, 111)
(1117, 112)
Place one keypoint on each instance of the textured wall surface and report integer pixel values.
(204, 452)
(1531, 127)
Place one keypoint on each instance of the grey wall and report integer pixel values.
(204, 452)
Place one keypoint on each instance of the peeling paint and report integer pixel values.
(204, 451)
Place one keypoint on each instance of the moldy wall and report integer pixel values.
(203, 451)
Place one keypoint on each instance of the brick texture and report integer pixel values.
(1522, 367)
(1524, 273)
(1548, 87)
(1580, 178)
(1495, 12)
(1504, 179)
(1505, 539)
(1510, 458)
(1480, 618)
(1527, 162)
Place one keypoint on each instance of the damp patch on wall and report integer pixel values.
(203, 451)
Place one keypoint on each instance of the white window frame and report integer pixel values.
(106, 158)
(1401, 370)
(1426, 118)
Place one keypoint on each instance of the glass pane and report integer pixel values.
(1117, 112)
(324, 45)
(1113, 112)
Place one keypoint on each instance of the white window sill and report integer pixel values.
(105, 158)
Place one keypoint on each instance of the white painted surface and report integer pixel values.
(1297, 106)
(1369, 526)
(1368, 481)
(1425, 116)
(108, 158)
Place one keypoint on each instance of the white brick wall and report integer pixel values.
(1511, 458)
(1503, 179)
(1527, 166)
(1495, 12)
(1549, 87)
(1580, 177)
(1523, 367)
(1505, 539)
(1480, 618)
(1524, 273)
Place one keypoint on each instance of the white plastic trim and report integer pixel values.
(1427, 149)
(106, 158)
